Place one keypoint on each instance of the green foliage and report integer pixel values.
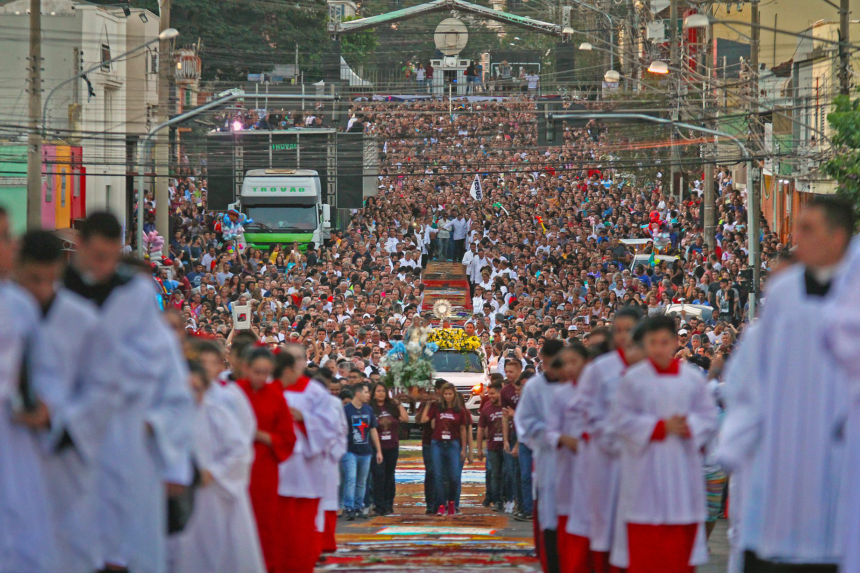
(242, 36)
(358, 48)
(844, 166)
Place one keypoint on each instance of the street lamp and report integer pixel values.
(697, 21)
(658, 67)
(612, 76)
(586, 47)
(167, 34)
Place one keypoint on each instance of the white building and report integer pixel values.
(104, 115)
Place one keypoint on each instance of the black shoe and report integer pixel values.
(486, 502)
(429, 511)
(522, 516)
(378, 512)
(350, 515)
(499, 507)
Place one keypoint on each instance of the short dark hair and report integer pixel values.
(205, 346)
(361, 385)
(837, 211)
(629, 311)
(579, 348)
(255, 353)
(283, 360)
(660, 322)
(101, 224)
(495, 385)
(551, 347)
(40, 247)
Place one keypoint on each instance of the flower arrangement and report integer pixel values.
(454, 339)
(407, 365)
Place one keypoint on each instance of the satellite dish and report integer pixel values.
(451, 36)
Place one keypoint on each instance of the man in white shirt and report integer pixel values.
(459, 230)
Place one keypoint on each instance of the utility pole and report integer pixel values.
(676, 95)
(709, 216)
(34, 109)
(844, 61)
(753, 184)
(162, 143)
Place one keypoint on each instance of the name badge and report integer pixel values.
(446, 435)
(498, 438)
(386, 436)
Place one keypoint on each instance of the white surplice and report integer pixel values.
(661, 482)
(598, 383)
(80, 410)
(531, 419)
(301, 475)
(568, 418)
(334, 451)
(27, 534)
(149, 433)
(786, 427)
(841, 342)
(740, 367)
(221, 536)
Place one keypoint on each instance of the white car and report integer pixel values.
(467, 372)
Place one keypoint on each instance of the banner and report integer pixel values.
(477, 192)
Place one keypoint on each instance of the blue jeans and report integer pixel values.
(429, 476)
(444, 250)
(446, 463)
(526, 503)
(355, 471)
(494, 475)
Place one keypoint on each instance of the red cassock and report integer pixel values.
(274, 418)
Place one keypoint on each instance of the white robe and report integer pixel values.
(531, 420)
(738, 371)
(27, 535)
(80, 409)
(301, 474)
(598, 383)
(662, 482)
(221, 536)
(568, 418)
(841, 342)
(786, 427)
(334, 451)
(142, 362)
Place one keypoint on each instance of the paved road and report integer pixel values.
(477, 540)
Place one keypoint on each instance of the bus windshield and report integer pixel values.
(453, 361)
(284, 217)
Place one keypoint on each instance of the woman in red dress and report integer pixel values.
(273, 444)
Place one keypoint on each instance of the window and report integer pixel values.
(49, 187)
(106, 58)
(153, 62)
(107, 197)
(62, 187)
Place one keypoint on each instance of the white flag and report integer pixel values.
(477, 192)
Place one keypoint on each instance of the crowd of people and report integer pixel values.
(155, 440)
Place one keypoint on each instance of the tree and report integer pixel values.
(844, 166)
(238, 37)
(358, 48)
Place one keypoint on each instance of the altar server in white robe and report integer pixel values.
(223, 389)
(841, 341)
(786, 428)
(664, 415)
(27, 535)
(210, 540)
(301, 485)
(532, 423)
(598, 384)
(210, 355)
(568, 419)
(737, 379)
(150, 432)
(79, 408)
(329, 505)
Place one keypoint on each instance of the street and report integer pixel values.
(477, 540)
